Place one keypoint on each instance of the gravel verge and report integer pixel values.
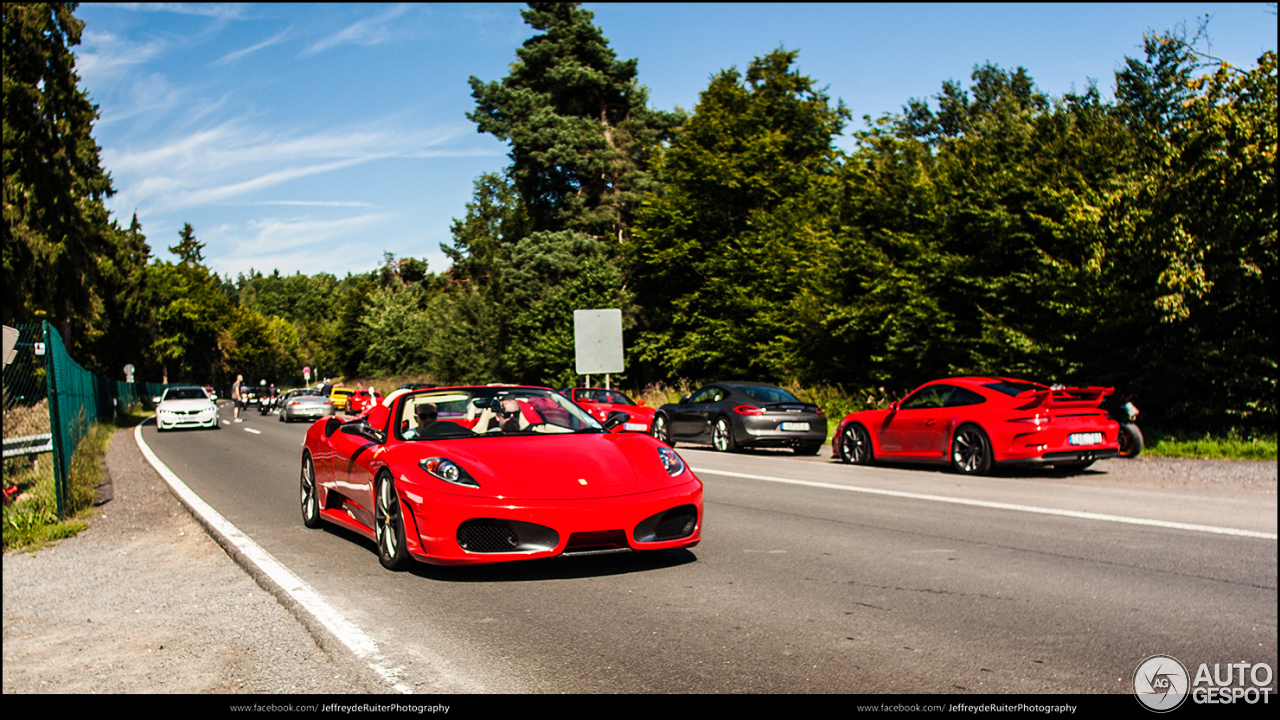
(144, 601)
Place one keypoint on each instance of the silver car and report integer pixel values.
(304, 404)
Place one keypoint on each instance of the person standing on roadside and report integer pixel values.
(237, 396)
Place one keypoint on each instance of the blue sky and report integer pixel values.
(314, 138)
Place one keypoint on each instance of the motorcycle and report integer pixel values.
(1122, 410)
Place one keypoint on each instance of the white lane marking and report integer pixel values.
(365, 647)
(1002, 506)
(251, 430)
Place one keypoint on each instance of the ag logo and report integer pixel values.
(1161, 683)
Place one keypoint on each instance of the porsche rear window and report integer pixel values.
(1011, 388)
(766, 394)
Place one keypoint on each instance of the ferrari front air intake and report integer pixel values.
(484, 535)
(673, 524)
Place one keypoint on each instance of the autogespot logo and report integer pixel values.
(1161, 683)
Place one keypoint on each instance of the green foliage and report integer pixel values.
(62, 256)
(32, 519)
(742, 231)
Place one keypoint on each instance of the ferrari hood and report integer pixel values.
(561, 467)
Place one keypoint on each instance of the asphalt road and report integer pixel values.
(812, 576)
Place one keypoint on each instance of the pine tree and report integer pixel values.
(56, 228)
(542, 241)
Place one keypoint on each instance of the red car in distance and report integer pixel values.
(976, 423)
(600, 402)
(362, 400)
(469, 475)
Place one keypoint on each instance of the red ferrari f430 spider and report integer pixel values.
(467, 475)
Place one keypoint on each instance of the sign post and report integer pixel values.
(597, 342)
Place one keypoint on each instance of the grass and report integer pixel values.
(1232, 446)
(31, 521)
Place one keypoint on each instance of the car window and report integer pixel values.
(596, 395)
(1012, 388)
(704, 395)
(934, 396)
(767, 394)
(185, 394)
(961, 397)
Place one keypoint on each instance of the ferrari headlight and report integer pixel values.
(448, 471)
(671, 461)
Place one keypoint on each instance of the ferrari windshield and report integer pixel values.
(471, 412)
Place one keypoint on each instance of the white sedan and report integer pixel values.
(186, 407)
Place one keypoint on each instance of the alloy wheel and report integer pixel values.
(855, 445)
(389, 527)
(310, 496)
(722, 437)
(970, 451)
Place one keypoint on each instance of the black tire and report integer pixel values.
(722, 436)
(970, 451)
(855, 445)
(1131, 442)
(310, 494)
(661, 431)
(388, 526)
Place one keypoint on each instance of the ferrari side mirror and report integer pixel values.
(616, 418)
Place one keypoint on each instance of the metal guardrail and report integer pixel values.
(28, 445)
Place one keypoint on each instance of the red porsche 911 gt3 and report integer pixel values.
(975, 423)
(467, 475)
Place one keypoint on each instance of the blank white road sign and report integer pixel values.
(597, 341)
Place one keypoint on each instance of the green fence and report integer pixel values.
(50, 401)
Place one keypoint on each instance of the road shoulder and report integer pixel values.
(144, 601)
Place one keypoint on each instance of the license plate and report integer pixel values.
(799, 426)
(638, 427)
(1085, 438)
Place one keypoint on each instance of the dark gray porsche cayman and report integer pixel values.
(733, 415)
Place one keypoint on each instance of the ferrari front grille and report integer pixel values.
(589, 542)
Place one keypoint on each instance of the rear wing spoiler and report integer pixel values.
(1066, 398)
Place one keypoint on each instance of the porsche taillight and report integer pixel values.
(748, 410)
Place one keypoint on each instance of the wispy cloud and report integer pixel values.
(369, 31)
(232, 160)
(273, 40)
(315, 203)
(305, 242)
(221, 11)
(103, 55)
